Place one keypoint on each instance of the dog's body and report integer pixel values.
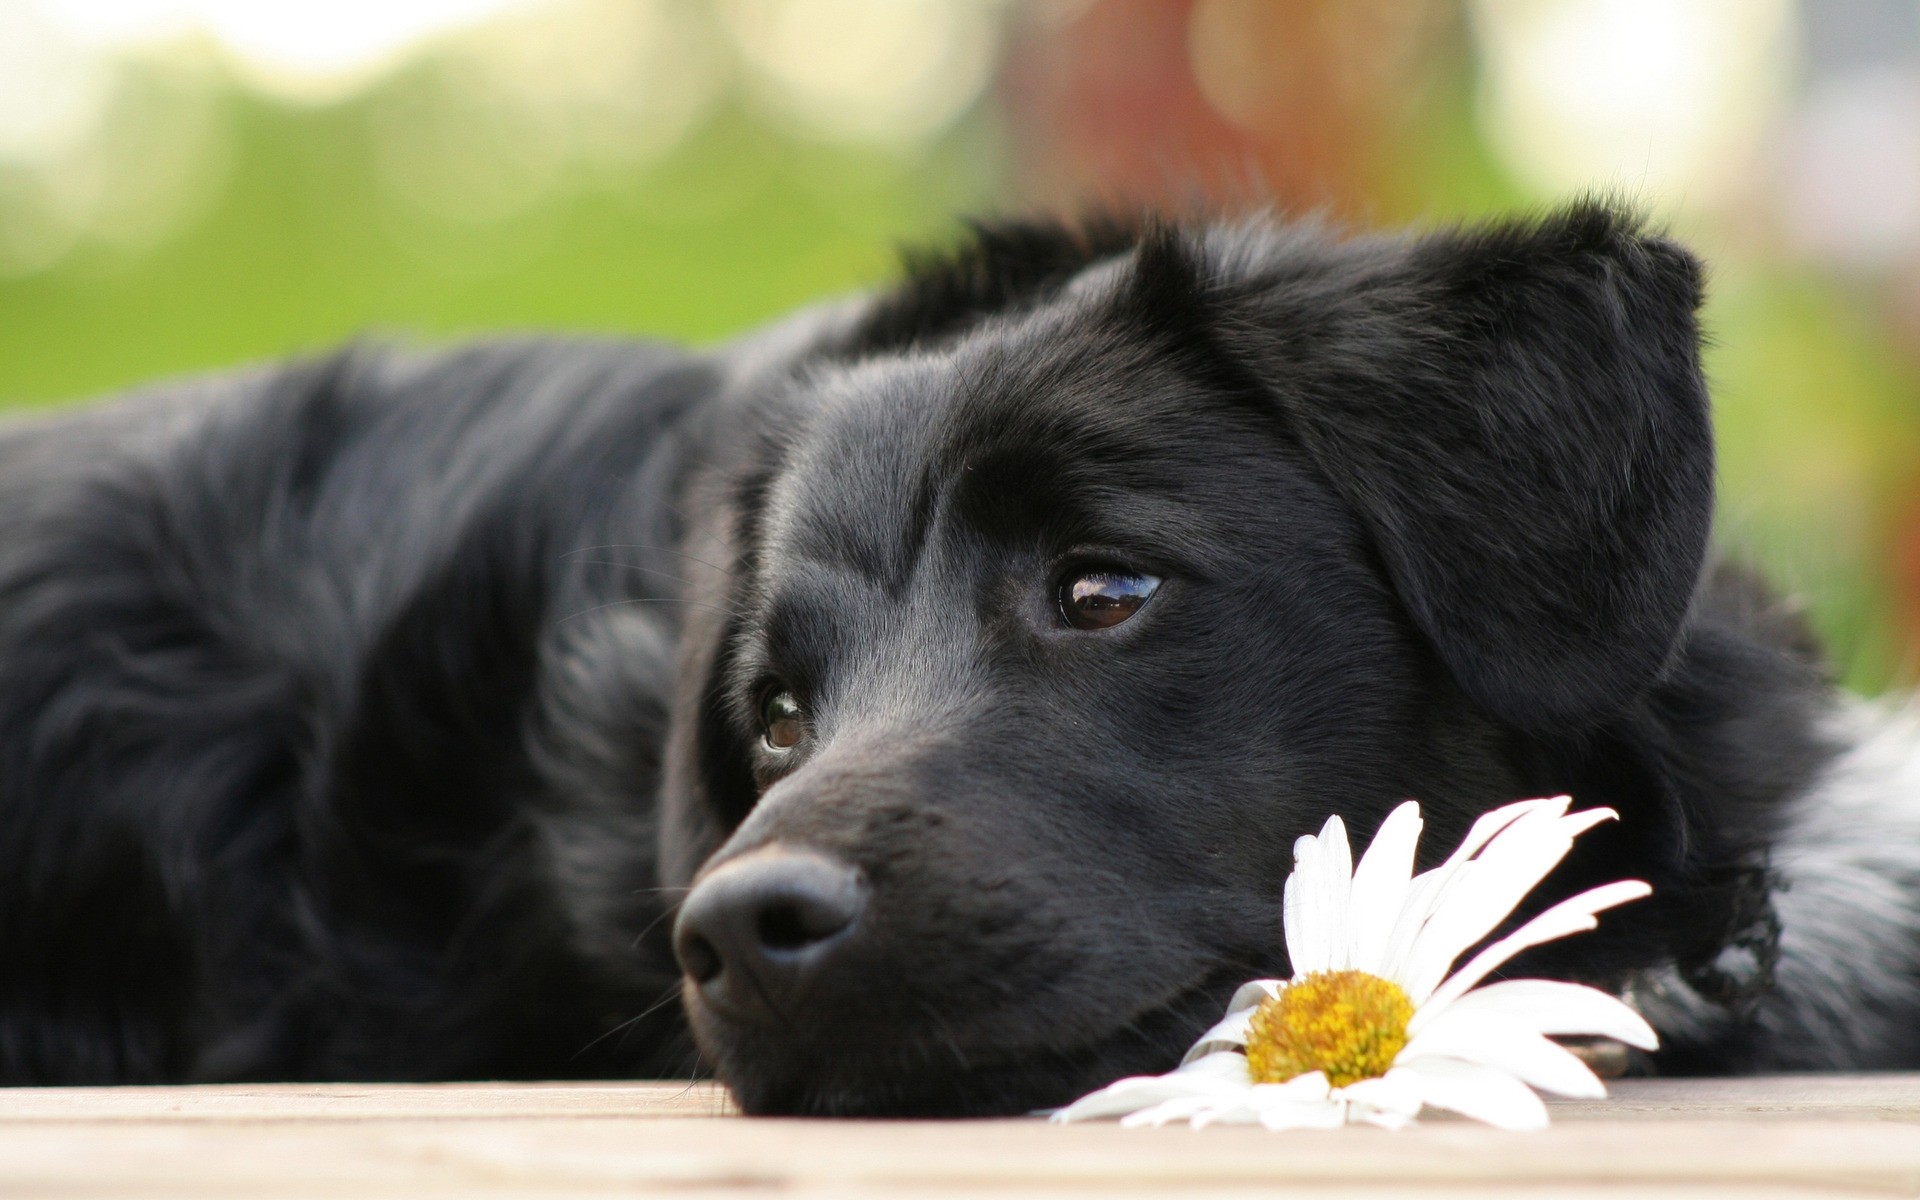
(368, 719)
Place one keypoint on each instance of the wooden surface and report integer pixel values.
(1787, 1137)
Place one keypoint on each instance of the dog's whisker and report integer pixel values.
(652, 925)
(672, 993)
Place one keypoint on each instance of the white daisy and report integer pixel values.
(1372, 1027)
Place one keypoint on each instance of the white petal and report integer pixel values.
(1217, 1077)
(1548, 1006)
(1415, 908)
(1226, 1066)
(1115, 1100)
(1298, 1103)
(1228, 1034)
(1485, 891)
(1324, 1114)
(1380, 885)
(1337, 862)
(1315, 904)
(1512, 864)
(1491, 824)
(1385, 1118)
(1254, 992)
(1573, 915)
(1231, 1030)
(1478, 1092)
(1396, 1092)
(1487, 1040)
(1305, 952)
(1301, 1088)
(1430, 887)
(1303, 1102)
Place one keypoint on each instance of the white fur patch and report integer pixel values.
(1848, 994)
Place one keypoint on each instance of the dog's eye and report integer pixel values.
(781, 722)
(1103, 599)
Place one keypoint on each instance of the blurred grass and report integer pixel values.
(1819, 439)
(306, 243)
(305, 248)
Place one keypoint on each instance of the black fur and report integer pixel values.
(366, 719)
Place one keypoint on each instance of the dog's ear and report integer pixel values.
(1517, 415)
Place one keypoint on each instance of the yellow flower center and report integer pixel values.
(1347, 1023)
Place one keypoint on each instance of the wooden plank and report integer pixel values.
(1890, 1096)
(1894, 1096)
(365, 1101)
(595, 1155)
(1788, 1136)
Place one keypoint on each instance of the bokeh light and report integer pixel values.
(305, 49)
(1663, 98)
(185, 184)
(888, 71)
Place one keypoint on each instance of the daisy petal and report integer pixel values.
(1115, 1101)
(1305, 952)
(1217, 1077)
(1300, 1103)
(1384, 1118)
(1397, 1091)
(1484, 891)
(1491, 1042)
(1550, 1007)
(1573, 915)
(1491, 824)
(1478, 1053)
(1380, 886)
(1324, 1115)
(1429, 887)
(1512, 864)
(1303, 1102)
(1478, 1092)
(1300, 1089)
(1231, 1030)
(1252, 993)
(1336, 890)
(1228, 1033)
(1315, 904)
(1237, 1113)
(1414, 911)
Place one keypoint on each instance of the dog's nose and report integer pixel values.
(755, 933)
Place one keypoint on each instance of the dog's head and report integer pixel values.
(1055, 599)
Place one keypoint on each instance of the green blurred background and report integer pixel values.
(187, 184)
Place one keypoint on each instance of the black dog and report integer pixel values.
(975, 652)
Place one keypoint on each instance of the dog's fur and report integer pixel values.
(366, 718)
